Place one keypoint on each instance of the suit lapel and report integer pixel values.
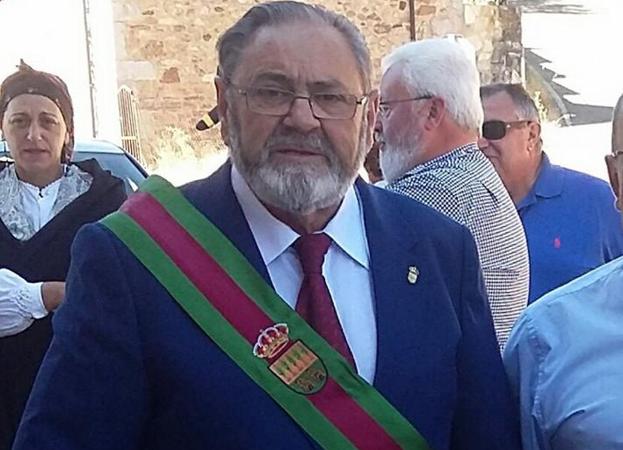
(215, 198)
(401, 306)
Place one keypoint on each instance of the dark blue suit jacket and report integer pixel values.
(128, 369)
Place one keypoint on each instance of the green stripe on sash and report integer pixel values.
(216, 244)
(221, 332)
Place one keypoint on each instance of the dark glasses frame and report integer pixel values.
(385, 106)
(494, 130)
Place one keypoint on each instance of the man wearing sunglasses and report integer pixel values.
(569, 218)
(431, 115)
(565, 355)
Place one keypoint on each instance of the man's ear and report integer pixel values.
(436, 112)
(534, 135)
(222, 106)
(615, 181)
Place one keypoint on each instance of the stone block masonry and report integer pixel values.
(166, 55)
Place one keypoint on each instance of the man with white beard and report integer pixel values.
(431, 115)
(278, 304)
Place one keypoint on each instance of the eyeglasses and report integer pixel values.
(278, 102)
(497, 129)
(385, 106)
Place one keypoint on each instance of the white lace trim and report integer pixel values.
(15, 214)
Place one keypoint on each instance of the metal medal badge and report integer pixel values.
(413, 274)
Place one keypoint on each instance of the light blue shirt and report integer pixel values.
(346, 267)
(564, 359)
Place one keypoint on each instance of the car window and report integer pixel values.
(118, 164)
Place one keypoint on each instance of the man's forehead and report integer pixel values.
(499, 106)
(306, 52)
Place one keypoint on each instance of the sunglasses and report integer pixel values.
(497, 129)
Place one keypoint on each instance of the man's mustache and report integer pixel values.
(314, 143)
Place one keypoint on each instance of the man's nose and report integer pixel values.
(301, 116)
(482, 143)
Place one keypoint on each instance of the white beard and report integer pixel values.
(398, 159)
(297, 188)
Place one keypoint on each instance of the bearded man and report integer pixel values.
(279, 303)
(431, 115)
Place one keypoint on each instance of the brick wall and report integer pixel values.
(165, 49)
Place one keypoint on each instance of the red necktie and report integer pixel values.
(314, 302)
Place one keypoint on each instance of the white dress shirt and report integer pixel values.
(346, 267)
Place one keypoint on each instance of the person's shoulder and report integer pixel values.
(101, 180)
(459, 173)
(413, 211)
(211, 185)
(574, 299)
(94, 239)
(432, 186)
(582, 182)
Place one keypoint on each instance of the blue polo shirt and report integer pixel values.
(571, 224)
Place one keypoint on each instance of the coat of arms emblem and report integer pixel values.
(292, 362)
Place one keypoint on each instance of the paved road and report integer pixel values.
(576, 44)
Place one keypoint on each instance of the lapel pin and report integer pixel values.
(413, 274)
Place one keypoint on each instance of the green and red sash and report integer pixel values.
(302, 373)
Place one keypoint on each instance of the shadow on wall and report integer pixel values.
(577, 113)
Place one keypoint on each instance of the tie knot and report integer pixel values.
(311, 249)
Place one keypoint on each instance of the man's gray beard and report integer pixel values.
(296, 188)
(398, 159)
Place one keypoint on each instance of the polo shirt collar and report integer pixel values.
(548, 184)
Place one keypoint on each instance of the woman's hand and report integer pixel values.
(52, 293)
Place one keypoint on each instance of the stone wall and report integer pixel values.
(165, 51)
(494, 31)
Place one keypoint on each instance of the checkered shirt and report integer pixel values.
(464, 185)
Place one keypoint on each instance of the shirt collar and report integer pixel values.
(51, 190)
(549, 183)
(550, 180)
(440, 160)
(274, 237)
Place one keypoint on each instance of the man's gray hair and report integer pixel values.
(233, 41)
(441, 68)
(524, 104)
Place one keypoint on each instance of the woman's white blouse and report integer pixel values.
(24, 210)
(20, 303)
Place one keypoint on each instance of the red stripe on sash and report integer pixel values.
(245, 316)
